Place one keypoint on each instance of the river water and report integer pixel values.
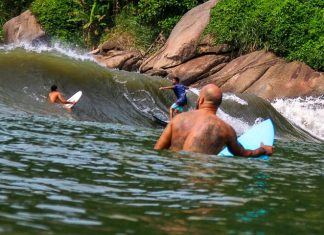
(94, 171)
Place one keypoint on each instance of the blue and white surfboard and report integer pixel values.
(252, 139)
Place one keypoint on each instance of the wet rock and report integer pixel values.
(268, 76)
(132, 64)
(288, 80)
(240, 65)
(192, 70)
(119, 59)
(184, 38)
(110, 45)
(24, 28)
(206, 46)
(209, 49)
(157, 72)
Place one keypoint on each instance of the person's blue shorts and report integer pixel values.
(177, 107)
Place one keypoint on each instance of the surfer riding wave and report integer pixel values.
(180, 92)
(56, 97)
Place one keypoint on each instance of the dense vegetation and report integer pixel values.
(87, 22)
(290, 28)
(94, 19)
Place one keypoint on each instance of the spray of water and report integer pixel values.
(239, 125)
(232, 97)
(55, 48)
(307, 113)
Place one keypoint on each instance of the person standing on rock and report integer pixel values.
(180, 92)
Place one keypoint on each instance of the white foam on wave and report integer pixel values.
(226, 96)
(230, 96)
(238, 124)
(194, 90)
(307, 113)
(55, 48)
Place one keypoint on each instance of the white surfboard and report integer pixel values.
(74, 98)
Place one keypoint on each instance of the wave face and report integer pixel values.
(108, 96)
(26, 75)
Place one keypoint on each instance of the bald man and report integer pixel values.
(202, 131)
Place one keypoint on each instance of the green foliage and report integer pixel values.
(12, 8)
(291, 28)
(93, 16)
(84, 22)
(57, 19)
(145, 19)
(130, 31)
(164, 14)
(2, 20)
(78, 21)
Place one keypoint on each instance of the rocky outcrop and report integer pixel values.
(180, 47)
(193, 58)
(244, 70)
(116, 59)
(23, 28)
(183, 40)
(194, 70)
(263, 74)
(115, 55)
(288, 80)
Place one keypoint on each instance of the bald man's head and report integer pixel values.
(211, 94)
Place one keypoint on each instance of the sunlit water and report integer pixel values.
(95, 172)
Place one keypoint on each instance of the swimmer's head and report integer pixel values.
(53, 88)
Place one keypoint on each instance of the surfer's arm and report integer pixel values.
(64, 101)
(238, 150)
(164, 141)
(166, 87)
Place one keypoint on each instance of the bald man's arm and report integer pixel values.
(164, 141)
(238, 150)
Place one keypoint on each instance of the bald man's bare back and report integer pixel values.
(202, 132)
(196, 131)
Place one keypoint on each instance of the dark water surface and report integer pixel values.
(95, 171)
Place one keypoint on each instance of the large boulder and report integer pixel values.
(268, 76)
(116, 59)
(288, 80)
(192, 70)
(184, 38)
(23, 28)
(241, 67)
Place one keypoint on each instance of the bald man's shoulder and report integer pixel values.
(194, 116)
(184, 115)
